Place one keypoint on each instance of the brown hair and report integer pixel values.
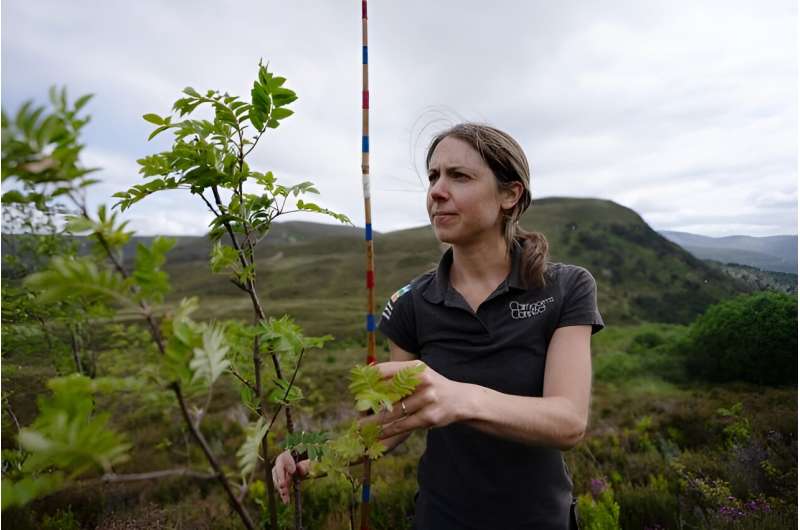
(507, 160)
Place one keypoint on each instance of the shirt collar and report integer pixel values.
(437, 290)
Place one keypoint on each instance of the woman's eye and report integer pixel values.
(431, 177)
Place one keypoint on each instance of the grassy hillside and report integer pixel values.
(316, 272)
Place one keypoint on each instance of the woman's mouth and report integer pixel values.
(440, 217)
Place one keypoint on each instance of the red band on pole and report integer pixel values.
(363, 8)
(365, 99)
(370, 279)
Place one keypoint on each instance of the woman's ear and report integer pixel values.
(511, 194)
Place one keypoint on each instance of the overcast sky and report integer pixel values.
(684, 111)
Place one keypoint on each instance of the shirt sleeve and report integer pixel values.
(580, 301)
(397, 321)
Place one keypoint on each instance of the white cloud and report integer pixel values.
(684, 111)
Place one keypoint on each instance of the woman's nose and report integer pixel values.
(438, 189)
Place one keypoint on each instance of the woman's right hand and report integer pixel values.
(283, 470)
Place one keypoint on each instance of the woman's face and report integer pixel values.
(464, 203)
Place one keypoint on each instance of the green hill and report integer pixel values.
(315, 272)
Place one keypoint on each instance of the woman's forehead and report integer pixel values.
(452, 152)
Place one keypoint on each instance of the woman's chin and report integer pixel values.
(444, 235)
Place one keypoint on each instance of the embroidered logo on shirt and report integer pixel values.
(520, 311)
(387, 313)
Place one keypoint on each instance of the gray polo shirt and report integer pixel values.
(469, 479)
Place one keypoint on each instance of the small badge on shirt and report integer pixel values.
(387, 313)
(520, 311)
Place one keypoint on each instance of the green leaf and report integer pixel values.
(153, 283)
(372, 392)
(78, 223)
(189, 91)
(154, 119)
(68, 438)
(13, 196)
(82, 101)
(157, 132)
(248, 454)
(223, 257)
(280, 113)
(69, 277)
(184, 335)
(283, 394)
(311, 442)
(209, 361)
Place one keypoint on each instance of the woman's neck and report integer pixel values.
(483, 263)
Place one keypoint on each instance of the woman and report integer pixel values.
(505, 336)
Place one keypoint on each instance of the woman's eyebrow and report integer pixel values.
(451, 169)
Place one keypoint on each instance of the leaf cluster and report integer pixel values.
(41, 148)
(372, 392)
(67, 439)
(209, 156)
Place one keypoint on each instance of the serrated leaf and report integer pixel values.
(223, 257)
(283, 394)
(209, 361)
(249, 453)
(68, 277)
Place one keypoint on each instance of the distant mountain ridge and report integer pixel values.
(315, 272)
(771, 253)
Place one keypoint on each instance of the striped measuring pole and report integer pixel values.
(371, 358)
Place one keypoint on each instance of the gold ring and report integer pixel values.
(403, 406)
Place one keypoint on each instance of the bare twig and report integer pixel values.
(11, 413)
(244, 381)
(150, 475)
(220, 474)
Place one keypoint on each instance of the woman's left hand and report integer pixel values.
(436, 402)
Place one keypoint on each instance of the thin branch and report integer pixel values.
(210, 207)
(244, 381)
(11, 413)
(255, 141)
(239, 284)
(150, 475)
(219, 473)
(288, 388)
(202, 412)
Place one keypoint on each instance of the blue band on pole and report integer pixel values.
(365, 144)
(370, 322)
(364, 54)
(369, 232)
(365, 493)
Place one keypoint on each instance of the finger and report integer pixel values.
(413, 403)
(403, 425)
(374, 418)
(303, 468)
(389, 368)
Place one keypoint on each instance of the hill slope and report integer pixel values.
(316, 272)
(773, 253)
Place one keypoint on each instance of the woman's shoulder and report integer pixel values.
(566, 273)
(418, 284)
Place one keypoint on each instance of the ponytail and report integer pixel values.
(535, 254)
